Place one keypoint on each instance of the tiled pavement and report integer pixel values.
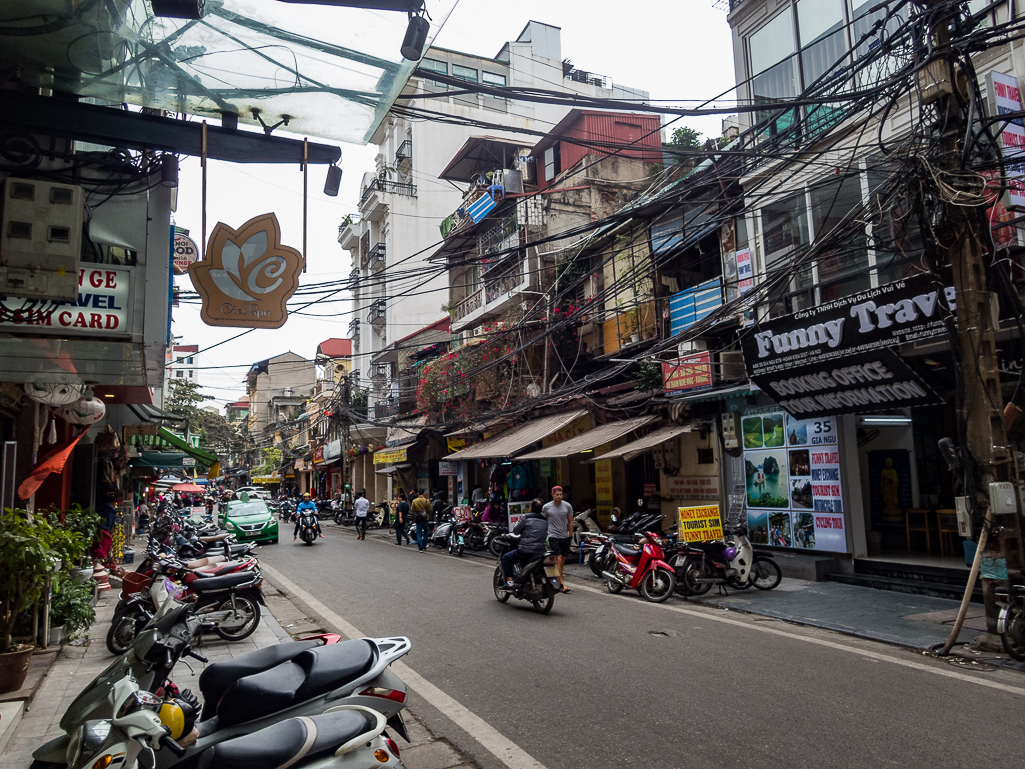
(76, 666)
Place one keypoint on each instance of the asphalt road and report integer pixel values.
(607, 681)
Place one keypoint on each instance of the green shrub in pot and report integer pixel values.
(71, 605)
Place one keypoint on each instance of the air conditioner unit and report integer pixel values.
(41, 239)
(731, 366)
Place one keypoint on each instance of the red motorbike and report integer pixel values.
(643, 568)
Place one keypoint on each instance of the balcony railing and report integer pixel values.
(377, 311)
(404, 152)
(503, 235)
(377, 256)
(386, 185)
(354, 327)
(472, 303)
(502, 285)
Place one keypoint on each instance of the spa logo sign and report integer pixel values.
(247, 275)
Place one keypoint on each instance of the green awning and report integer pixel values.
(198, 454)
(159, 459)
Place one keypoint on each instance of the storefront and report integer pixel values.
(843, 457)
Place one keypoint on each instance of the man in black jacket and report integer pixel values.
(533, 531)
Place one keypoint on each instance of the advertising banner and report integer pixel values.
(603, 487)
(688, 373)
(693, 486)
(462, 513)
(835, 358)
(745, 273)
(185, 251)
(1005, 98)
(700, 524)
(448, 468)
(389, 456)
(100, 310)
(794, 492)
(516, 511)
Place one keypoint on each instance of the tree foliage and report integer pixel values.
(686, 138)
(214, 430)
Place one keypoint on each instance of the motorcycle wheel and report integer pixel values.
(451, 548)
(122, 632)
(595, 563)
(658, 585)
(677, 562)
(612, 586)
(693, 570)
(765, 574)
(498, 583)
(248, 608)
(545, 606)
(1013, 637)
(459, 550)
(493, 547)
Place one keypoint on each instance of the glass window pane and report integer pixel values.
(772, 43)
(816, 18)
(464, 73)
(441, 67)
(846, 265)
(492, 79)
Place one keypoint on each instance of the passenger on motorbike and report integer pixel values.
(533, 528)
(306, 504)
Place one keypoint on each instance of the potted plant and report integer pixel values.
(24, 566)
(71, 609)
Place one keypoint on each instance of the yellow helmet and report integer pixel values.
(178, 716)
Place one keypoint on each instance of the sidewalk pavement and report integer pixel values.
(77, 665)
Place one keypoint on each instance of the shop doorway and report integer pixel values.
(642, 484)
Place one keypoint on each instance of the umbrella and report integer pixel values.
(188, 488)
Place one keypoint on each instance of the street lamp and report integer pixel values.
(416, 31)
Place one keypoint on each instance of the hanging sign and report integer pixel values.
(745, 273)
(448, 468)
(247, 275)
(185, 251)
(836, 358)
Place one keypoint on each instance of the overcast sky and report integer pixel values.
(675, 49)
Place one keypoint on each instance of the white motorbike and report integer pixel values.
(343, 737)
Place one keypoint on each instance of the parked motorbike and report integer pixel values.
(439, 535)
(308, 527)
(229, 605)
(583, 524)
(457, 538)
(491, 541)
(1010, 622)
(730, 561)
(536, 581)
(642, 568)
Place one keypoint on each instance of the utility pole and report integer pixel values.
(983, 404)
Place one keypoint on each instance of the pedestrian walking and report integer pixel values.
(560, 530)
(402, 519)
(422, 511)
(362, 509)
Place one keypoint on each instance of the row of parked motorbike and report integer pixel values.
(319, 702)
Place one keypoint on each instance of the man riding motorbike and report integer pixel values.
(533, 528)
(306, 504)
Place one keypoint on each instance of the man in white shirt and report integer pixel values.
(362, 510)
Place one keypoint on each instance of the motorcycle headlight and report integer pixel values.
(87, 741)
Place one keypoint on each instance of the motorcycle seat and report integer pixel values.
(626, 549)
(216, 569)
(214, 538)
(1016, 589)
(307, 675)
(282, 744)
(208, 584)
(218, 676)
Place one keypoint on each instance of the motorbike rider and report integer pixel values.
(306, 504)
(533, 531)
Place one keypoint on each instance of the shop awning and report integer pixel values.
(149, 413)
(159, 459)
(198, 454)
(512, 441)
(389, 469)
(713, 395)
(599, 436)
(632, 449)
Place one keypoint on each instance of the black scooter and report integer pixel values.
(536, 581)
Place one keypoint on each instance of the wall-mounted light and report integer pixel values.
(178, 9)
(333, 181)
(891, 421)
(416, 36)
(169, 170)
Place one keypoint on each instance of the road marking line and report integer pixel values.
(496, 743)
(822, 642)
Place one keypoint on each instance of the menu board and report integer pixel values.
(792, 469)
